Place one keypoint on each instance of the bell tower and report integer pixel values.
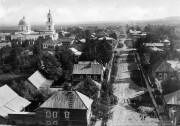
(49, 23)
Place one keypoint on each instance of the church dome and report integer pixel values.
(23, 21)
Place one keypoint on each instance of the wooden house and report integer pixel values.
(158, 45)
(65, 108)
(161, 70)
(173, 106)
(23, 118)
(83, 69)
(51, 43)
(66, 41)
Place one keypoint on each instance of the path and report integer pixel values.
(123, 114)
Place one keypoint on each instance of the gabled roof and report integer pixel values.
(162, 66)
(10, 101)
(58, 41)
(75, 51)
(80, 84)
(166, 41)
(39, 80)
(62, 100)
(174, 64)
(49, 41)
(173, 98)
(156, 49)
(87, 62)
(87, 69)
(107, 38)
(154, 44)
(65, 39)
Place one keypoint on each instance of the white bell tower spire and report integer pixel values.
(49, 23)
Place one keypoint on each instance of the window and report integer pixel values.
(49, 19)
(48, 114)
(49, 27)
(55, 123)
(160, 75)
(48, 122)
(81, 77)
(66, 113)
(95, 77)
(54, 114)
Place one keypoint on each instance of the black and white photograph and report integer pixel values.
(89, 62)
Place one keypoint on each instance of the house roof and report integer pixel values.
(166, 41)
(87, 62)
(173, 98)
(58, 41)
(10, 101)
(134, 31)
(75, 51)
(49, 41)
(174, 64)
(98, 85)
(39, 80)
(156, 49)
(4, 44)
(62, 100)
(154, 44)
(87, 69)
(65, 39)
(107, 38)
(162, 66)
(82, 40)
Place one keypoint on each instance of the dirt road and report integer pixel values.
(123, 114)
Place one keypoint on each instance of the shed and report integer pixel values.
(39, 80)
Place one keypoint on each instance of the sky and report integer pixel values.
(69, 11)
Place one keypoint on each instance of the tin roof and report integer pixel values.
(39, 80)
(80, 84)
(10, 101)
(107, 38)
(173, 98)
(87, 69)
(49, 41)
(61, 100)
(162, 66)
(166, 41)
(156, 49)
(174, 64)
(154, 44)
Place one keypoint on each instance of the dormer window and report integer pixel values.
(66, 114)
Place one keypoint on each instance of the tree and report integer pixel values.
(113, 35)
(15, 57)
(104, 53)
(89, 88)
(37, 51)
(51, 66)
(25, 43)
(66, 58)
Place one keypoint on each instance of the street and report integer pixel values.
(123, 113)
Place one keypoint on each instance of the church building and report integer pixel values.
(25, 32)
